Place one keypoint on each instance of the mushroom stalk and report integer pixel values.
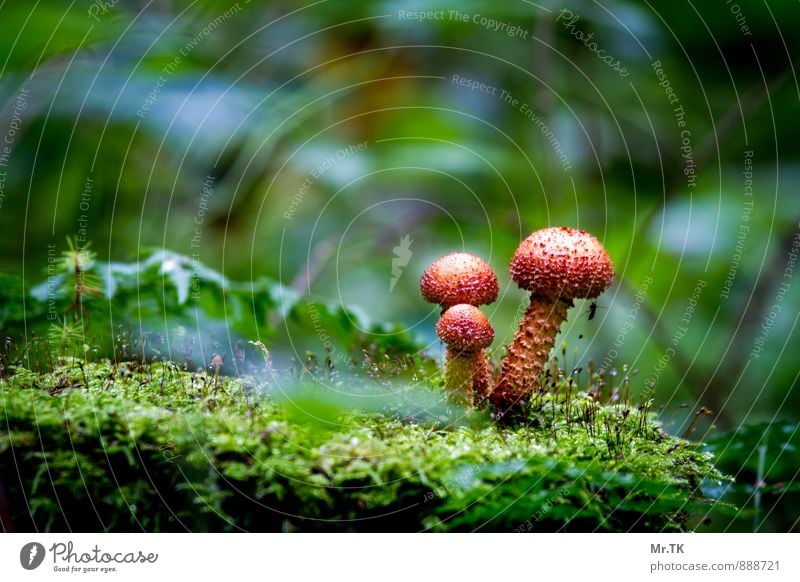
(466, 377)
(529, 352)
(482, 385)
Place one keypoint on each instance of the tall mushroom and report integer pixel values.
(557, 265)
(467, 332)
(459, 278)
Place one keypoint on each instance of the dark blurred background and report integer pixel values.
(325, 144)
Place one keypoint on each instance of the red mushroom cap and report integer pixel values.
(465, 327)
(459, 278)
(562, 263)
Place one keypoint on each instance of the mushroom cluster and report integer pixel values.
(556, 265)
(459, 283)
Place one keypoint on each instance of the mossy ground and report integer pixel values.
(127, 447)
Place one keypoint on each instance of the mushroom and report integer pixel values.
(557, 265)
(467, 332)
(459, 278)
(463, 280)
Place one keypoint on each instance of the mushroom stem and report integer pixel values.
(529, 352)
(482, 385)
(466, 376)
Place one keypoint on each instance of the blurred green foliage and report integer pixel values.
(170, 307)
(763, 460)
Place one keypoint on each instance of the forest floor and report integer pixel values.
(105, 446)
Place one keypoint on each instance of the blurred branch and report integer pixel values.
(402, 227)
(733, 363)
(309, 272)
(713, 389)
(756, 305)
(542, 57)
(750, 103)
(706, 390)
(324, 250)
(543, 97)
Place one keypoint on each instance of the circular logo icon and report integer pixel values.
(31, 555)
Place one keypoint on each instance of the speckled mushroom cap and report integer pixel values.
(459, 278)
(562, 263)
(465, 327)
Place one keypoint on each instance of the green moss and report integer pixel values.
(130, 447)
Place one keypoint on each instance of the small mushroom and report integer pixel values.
(459, 278)
(463, 280)
(467, 332)
(557, 265)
